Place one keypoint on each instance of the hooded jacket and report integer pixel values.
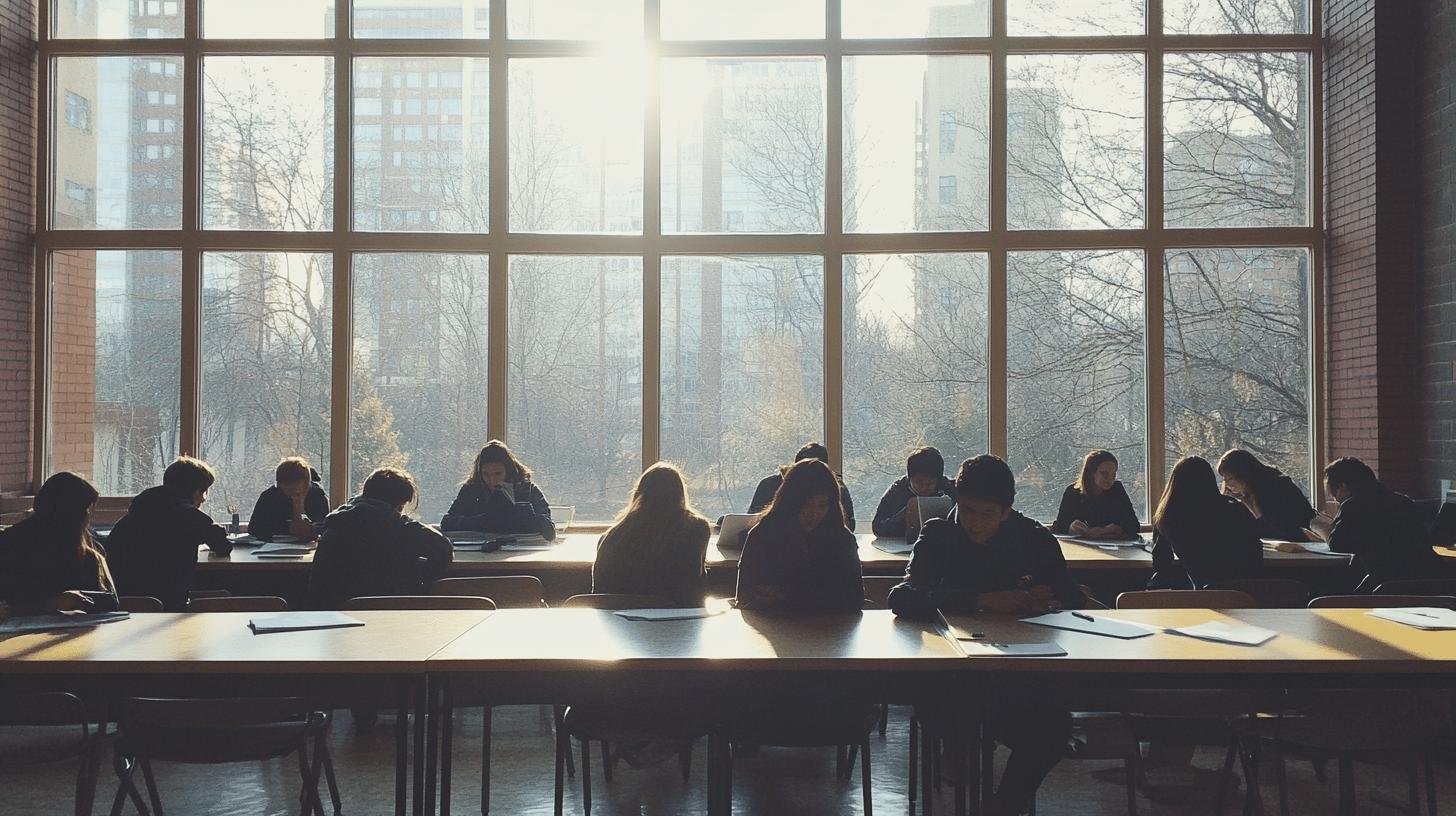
(491, 511)
(370, 548)
(152, 550)
(274, 510)
(37, 564)
(889, 521)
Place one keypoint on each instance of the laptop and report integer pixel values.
(931, 507)
(733, 528)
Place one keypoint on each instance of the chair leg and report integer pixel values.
(1130, 768)
(914, 761)
(585, 776)
(1253, 805)
(126, 787)
(864, 776)
(840, 752)
(560, 713)
(608, 761)
(884, 719)
(561, 749)
(151, 786)
(1413, 785)
(401, 748)
(86, 781)
(309, 773)
(1430, 784)
(1225, 776)
(1347, 786)
(927, 761)
(685, 760)
(849, 758)
(447, 748)
(485, 744)
(1281, 777)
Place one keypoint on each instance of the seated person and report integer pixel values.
(153, 548)
(989, 558)
(1200, 536)
(1381, 528)
(800, 556)
(658, 545)
(292, 505)
(769, 486)
(370, 547)
(48, 562)
(1097, 505)
(1279, 507)
(924, 476)
(498, 496)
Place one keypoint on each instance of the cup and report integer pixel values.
(562, 515)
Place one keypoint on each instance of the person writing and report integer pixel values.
(769, 486)
(1201, 536)
(499, 497)
(899, 512)
(1381, 528)
(657, 545)
(1280, 509)
(49, 562)
(152, 550)
(1097, 505)
(292, 505)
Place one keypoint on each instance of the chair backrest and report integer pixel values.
(877, 590)
(1270, 593)
(508, 591)
(239, 603)
(1186, 599)
(419, 602)
(1418, 586)
(1380, 601)
(604, 600)
(212, 712)
(139, 603)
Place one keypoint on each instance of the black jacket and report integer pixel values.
(36, 564)
(817, 571)
(889, 519)
(274, 511)
(764, 493)
(1384, 531)
(490, 511)
(369, 548)
(948, 571)
(1111, 506)
(1284, 509)
(153, 548)
(1224, 546)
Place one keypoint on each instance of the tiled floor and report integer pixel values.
(796, 782)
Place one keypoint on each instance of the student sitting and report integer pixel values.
(1097, 505)
(48, 562)
(153, 548)
(1200, 536)
(769, 487)
(292, 505)
(1380, 527)
(370, 547)
(1279, 507)
(499, 497)
(924, 476)
(989, 558)
(657, 545)
(800, 556)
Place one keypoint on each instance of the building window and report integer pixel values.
(78, 193)
(947, 132)
(948, 190)
(78, 111)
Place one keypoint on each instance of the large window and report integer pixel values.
(382, 233)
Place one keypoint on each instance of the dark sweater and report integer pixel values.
(369, 548)
(1111, 506)
(152, 550)
(274, 511)
(764, 493)
(1284, 509)
(492, 511)
(889, 521)
(37, 563)
(1384, 531)
(948, 571)
(817, 571)
(666, 562)
(1222, 545)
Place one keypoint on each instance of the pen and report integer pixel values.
(1087, 618)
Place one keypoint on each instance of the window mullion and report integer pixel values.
(497, 358)
(342, 342)
(1154, 349)
(651, 235)
(997, 405)
(190, 419)
(834, 236)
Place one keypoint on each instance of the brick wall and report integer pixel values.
(17, 135)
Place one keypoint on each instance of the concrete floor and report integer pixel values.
(778, 781)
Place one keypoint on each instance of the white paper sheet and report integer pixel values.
(893, 546)
(981, 648)
(283, 548)
(1237, 633)
(1097, 626)
(300, 621)
(667, 614)
(1419, 617)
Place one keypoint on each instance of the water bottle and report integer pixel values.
(234, 529)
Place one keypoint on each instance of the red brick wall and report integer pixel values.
(73, 362)
(17, 151)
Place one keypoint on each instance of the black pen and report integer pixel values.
(1087, 618)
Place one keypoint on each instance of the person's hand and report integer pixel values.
(1077, 528)
(301, 528)
(69, 601)
(912, 515)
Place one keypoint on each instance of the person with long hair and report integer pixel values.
(1201, 533)
(768, 487)
(800, 556)
(924, 476)
(49, 562)
(1097, 505)
(1279, 507)
(1381, 528)
(658, 544)
(498, 496)
(153, 548)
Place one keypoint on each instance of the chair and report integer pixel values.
(604, 600)
(139, 603)
(1419, 586)
(1380, 601)
(508, 591)
(238, 603)
(1270, 593)
(41, 728)
(376, 602)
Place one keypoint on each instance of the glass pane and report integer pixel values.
(1236, 140)
(1074, 140)
(1076, 18)
(116, 19)
(742, 145)
(1237, 332)
(266, 361)
(115, 379)
(742, 19)
(742, 370)
(576, 19)
(1074, 349)
(421, 130)
(267, 143)
(576, 352)
(576, 145)
(914, 364)
(421, 19)
(116, 123)
(267, 19)
(419, 369)
(915, 18)
(898, 109)
(1236, 16)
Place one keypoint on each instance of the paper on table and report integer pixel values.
(1240, 634)
(57, 621)
(1281, 545)
(1096, 626)
(300, 621)
(981, 648)
(894, 546)
(526, 543)
(1104, 543)
(283, 548)
(1420, 617)
(668, 614)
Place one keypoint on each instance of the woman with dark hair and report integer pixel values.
(48, 562)
(800, 556)
(657, 545)
(769, 485)
(1097, 505)
(1277, 504)
(1209, 535)
(498, 496)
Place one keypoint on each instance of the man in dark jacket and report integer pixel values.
(152, 550)
(924, 476)
(989, 558)
(293, 505)
(1381, 528)
(769, 486)
(369, 547)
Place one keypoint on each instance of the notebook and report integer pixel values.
(931, 507)
(57, 621)
(732, 528)
(1239, 634)
(301, 621)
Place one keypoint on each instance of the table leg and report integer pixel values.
(447, 725)
(432, 745)
(421, 706)
(401, 745)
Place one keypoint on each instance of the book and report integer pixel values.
(301, 621)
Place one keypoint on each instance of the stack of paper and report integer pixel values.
(1240, 634)
(1096, 626)
(300, 621)
(1420, 617)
